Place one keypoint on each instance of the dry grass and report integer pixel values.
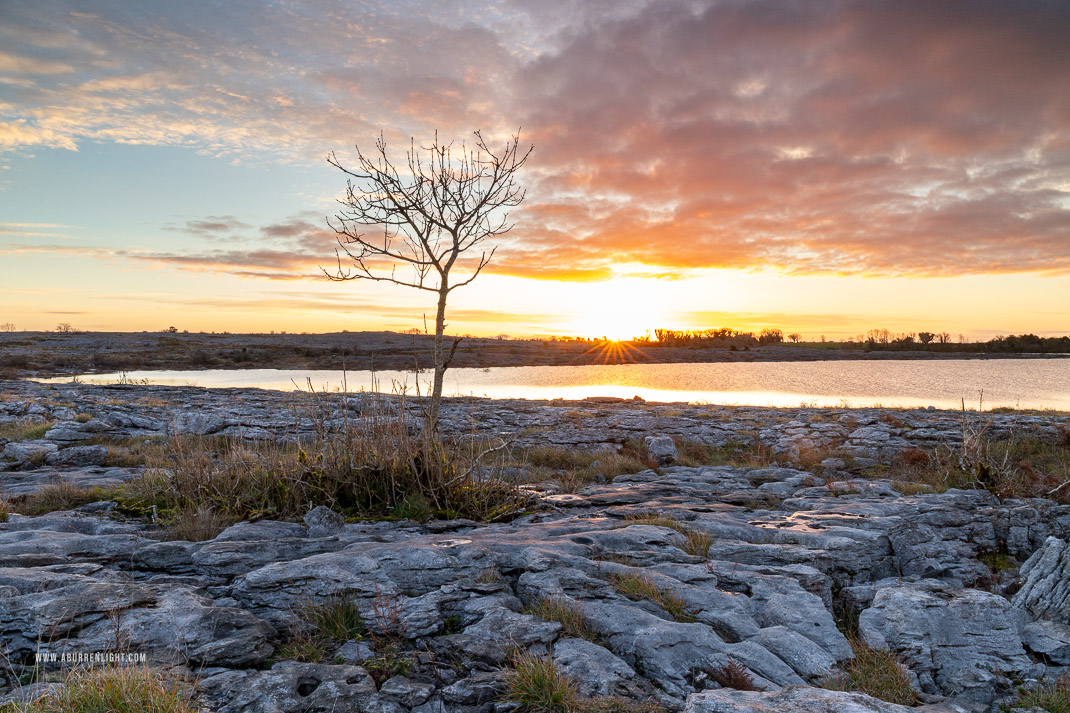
(60, 495)
(197, 525)
(696, 543)
(575, 469)
(564, 612)
(635, 585)
(876, 673)
(539, 686)
(1021, 466)
(5, 509)
(115, 689)
(374, 468)
(24, 430)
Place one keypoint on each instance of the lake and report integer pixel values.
(1021, 383)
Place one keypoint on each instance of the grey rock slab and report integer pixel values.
(478, 688)
(1050, 639)
(50, 547)
(289, 687)
(24, 451)
(78, 456)
(1045, 591)
(595, 669)
(510, 629)
(405, 691)
(950, 638)
(27, 482)
(805, 657)
(181, 625)
(792, 699)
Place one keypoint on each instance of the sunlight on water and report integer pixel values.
(1021, 383)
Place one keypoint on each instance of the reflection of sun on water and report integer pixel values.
(620, 309)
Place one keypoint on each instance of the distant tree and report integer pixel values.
(794, 337)
(926, 337)
(770, 336)
(444, 202)
(943, 338)
(64, 328)
(822, 338)
(7, 327)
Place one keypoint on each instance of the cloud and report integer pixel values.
(849, 137)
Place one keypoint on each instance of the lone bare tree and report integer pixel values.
(446, 200)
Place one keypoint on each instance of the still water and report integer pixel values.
(1022, 383)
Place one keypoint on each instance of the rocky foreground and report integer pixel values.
(730, 564)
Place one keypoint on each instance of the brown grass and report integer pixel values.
(539, 686)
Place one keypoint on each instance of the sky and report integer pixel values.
(822, 167)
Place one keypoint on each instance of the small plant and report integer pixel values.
(5, 510)
(997, 561)
(567, 614)
(83, 418)
(413, 507)
(337, 619)
(1052, 696)
(303, 647)
(390, 660)
(733, 674)
(539, 686)
(117, 689)
(642, 586)
(874, 672)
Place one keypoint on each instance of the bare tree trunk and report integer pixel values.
(438, 355)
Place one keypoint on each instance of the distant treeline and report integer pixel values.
(873, 340)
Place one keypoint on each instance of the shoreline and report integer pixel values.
(43, 354)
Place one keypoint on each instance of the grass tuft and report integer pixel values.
(338, 619)
(567, 614)
(874, 672)
(539, 686)
(641, 586)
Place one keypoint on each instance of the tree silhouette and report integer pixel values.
(447, 200)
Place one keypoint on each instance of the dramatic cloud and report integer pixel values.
(924, 137)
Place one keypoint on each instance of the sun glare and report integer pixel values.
(620, 309)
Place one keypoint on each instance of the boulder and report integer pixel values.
(324, 522)
(1045, 592)
(662, 449)
(952, 639)
(288, 687)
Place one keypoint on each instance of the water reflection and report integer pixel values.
(1022, 383)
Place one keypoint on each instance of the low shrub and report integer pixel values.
(1052, 696)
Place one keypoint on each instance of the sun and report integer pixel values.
(620, 309)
